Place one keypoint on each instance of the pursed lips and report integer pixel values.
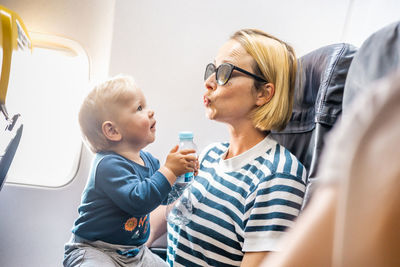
(153, 126)
(206, 101)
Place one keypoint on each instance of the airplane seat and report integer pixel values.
(378, 56)
(375, 171)
(10, 141)
(317, 104)
(13, 36)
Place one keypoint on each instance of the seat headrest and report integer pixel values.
(377, 57)
(319, 87)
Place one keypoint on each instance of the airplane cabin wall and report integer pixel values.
(35, 222)
(165, 45)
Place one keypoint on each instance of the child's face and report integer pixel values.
(135, 121)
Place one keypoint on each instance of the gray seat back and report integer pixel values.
(317, 104)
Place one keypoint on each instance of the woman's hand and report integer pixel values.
(158, 224)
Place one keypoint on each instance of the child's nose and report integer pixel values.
(151, 113)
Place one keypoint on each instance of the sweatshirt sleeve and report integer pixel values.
(134, 194)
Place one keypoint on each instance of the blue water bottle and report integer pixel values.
(179, 209)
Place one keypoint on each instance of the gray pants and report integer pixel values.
(80, 252)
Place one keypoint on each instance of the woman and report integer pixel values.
(249, 190)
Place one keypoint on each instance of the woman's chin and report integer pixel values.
(210, 115)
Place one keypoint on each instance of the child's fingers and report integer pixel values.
(174, 149)
(187, 151)
(190, 157)
(193, 163)
(191, 166)
(190, 160)
(196, 168)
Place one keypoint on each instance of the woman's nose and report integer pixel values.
(211, 83)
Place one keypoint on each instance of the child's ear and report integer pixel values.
(265, 95)
(110, 131)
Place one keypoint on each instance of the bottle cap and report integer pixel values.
(185, 135)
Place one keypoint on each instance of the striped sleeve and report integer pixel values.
(272, 207)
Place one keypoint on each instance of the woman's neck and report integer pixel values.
(242, 139)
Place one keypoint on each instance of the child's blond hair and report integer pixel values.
(100, 105)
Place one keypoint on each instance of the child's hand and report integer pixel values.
(196, 169)
(183, 161)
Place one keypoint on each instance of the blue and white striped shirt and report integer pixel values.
(241, 204)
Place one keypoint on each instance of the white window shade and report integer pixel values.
(46, 88)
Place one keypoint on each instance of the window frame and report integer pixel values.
(71, 47)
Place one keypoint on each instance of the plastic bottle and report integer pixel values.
(179, 209)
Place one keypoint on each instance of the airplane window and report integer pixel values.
(46, 88)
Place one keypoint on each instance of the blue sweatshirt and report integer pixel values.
(118, 197)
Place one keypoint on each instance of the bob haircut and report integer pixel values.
(100, 105)
(276, 62)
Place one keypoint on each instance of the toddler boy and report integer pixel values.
(125, 183)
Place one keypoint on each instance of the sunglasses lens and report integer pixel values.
(223, 74)
(210, 69)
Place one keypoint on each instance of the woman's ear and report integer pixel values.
(265, 95)
(110, 131)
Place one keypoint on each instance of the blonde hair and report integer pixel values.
(276, 62)
(100, 105)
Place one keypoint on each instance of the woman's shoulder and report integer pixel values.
(281, 162)
(214, 149)
(217, 148)
(280, 152)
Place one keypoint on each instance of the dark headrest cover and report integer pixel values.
(319, 89)
(378, 56)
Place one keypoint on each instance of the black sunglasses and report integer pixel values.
(224, 71)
